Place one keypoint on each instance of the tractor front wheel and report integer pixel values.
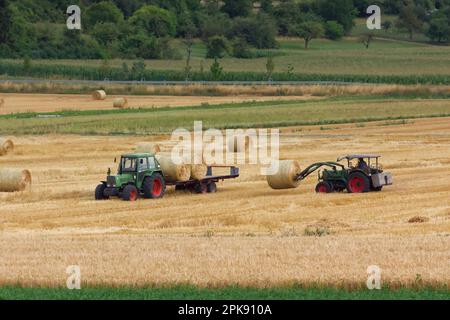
(130, 193)
(324, 187)
(358, 183)
(100, 192)
(154, 187)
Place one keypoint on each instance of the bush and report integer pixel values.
(259, 31)
(334, 30)
(155, 21)
(241, 49)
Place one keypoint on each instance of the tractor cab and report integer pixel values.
(138, 173)
(367, 163)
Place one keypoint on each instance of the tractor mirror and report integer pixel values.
(115, 160)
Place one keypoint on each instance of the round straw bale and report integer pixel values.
(148, 147)
(99, 95)
(173, 172)
(285, 177)
(120, 103)
(6, 145)
(12, 180)
(198, 171)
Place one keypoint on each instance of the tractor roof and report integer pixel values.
(358, 156)
(138, 155)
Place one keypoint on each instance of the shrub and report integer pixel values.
(216, 47)
(334, 30)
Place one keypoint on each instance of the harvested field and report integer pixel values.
(245, 234)
(15, 103)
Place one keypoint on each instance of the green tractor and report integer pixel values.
(367, 175)
(138, 174)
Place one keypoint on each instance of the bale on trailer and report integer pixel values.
(12, 180)
(99, 95)
(198, 171)
(285, 177)
(6, 145)
(173, 172)
(120, 103)
(148, 147)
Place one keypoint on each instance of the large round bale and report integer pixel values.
(173, 172)
(120, 103)
(12, 180)
(148, 147)
(198, 171)
(285, 178)
(99, 95)
(6, 145)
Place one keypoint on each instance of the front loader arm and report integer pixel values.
(316, 166)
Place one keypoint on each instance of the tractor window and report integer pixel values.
(151, 163)
(143, 165)
(128, 165)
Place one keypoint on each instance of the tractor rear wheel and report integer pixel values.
(130, 193)
(100, 192)
(358, 182)
(154, 187)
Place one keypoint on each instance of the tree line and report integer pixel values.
(146, 28)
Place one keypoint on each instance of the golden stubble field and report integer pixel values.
(246, 233)
(29, 102)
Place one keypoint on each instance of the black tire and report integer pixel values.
(324, 187)
(154, 187)
(130, 193)
(358, 182)
(377, 189)
(180, 188)
(211, 188)
(200, 188)
(100, 192)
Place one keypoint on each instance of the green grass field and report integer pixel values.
(345, 58)
(225, 116)
(227, 293)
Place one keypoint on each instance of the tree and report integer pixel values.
(439, 28)
(260, 31)
(267, 6)
(216, 70)
(216, 47)
(408, 18)
(236, 8)
(102, 12)
(241, 49)
(386, 25)
(270, 66)
(341, 11)
(366, 39)
(333, 30)
(5, 22)
(154, 20)
(309, 30)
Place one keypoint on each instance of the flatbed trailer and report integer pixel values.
(208, 183)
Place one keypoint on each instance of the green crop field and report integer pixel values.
(187, 292)
(239, 115)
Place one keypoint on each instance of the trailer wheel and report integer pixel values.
(212, 187)
(358, 183)
(154, 187)
(200, 188)
(324, 187)
(100, 192)
(130, 193)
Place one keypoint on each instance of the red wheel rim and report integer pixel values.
(322, 189)
(133, 195)
(157, 188)
(356, 185)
